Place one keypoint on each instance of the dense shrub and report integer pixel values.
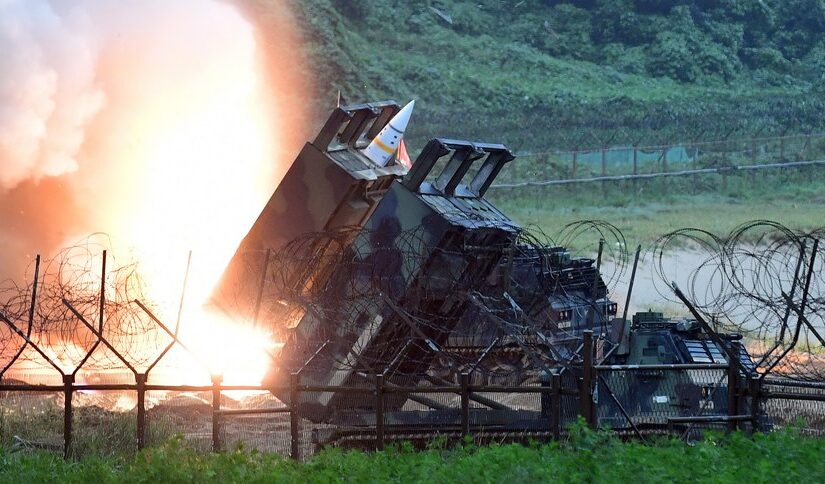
(587, 456)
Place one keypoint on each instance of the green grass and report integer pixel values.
(655, 208)
(588, 456)
(97, 432)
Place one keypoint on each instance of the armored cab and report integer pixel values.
(403, 285)
(676, 387)
(330, 184)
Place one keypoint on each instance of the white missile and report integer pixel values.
(382, 149)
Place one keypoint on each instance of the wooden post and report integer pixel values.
(587, 377)
(294, 416)
(555, 406)
(140, 381)
(68, 382)
(465, 404)
(379, 412)
(217, 445)
(635, 166)
(733, 407)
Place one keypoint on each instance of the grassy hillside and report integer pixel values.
(538, 74)
(544, 75)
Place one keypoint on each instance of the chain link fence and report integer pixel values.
(692, 167)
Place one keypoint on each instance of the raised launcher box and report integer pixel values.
(330, 184)
(428, 243)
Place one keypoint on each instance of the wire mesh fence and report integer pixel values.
(791, 403)
(104, 418)
(658, 397)
(89, 368)
(688, 167)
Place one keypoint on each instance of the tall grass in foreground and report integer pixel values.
(588, 456)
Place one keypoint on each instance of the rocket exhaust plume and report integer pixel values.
(153, 121)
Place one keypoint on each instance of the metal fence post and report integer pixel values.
(725, 164)
(755, 390)
(587, 377)
(294, 416)
(140, 382)
(807, 151)
(664, 165)
(217, 445)
(379, 412)
(695, 164)
(555, 406)
(754, 151)
(465, 404)
(68, 382)
(604, 171)
(733, 407)
(575, 163)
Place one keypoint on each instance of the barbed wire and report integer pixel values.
(75, 275)
(502, 305)
(763, 280)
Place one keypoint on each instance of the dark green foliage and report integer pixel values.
(575, 71)
(588, 456)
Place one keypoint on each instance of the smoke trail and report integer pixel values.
(150, 120)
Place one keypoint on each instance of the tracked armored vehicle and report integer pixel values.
(671, 389)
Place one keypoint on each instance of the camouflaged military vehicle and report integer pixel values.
(669, 388)
(412, 277)
(399, 268)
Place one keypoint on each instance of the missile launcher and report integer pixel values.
(409, 274)
(331, 184)
(459, 240)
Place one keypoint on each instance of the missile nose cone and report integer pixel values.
(382, 149)
(401, 119)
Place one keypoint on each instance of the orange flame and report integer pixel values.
(171, 119)
(201, 161)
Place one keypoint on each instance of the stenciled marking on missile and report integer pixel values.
(384, 147)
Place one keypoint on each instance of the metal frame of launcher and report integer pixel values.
(330, 185)
(462, 238)
(460, 229)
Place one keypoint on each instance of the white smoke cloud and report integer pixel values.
(150, 120)
(47, 88)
